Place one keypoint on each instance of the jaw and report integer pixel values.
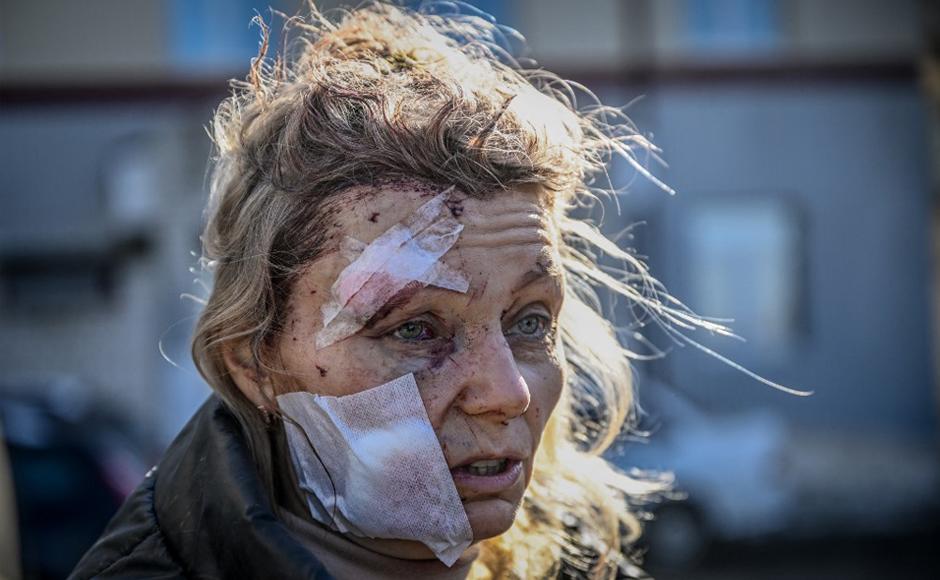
(493, 515)
(490, 517)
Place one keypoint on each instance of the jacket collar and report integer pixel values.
(213, 510)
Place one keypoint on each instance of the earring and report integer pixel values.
(265, 414)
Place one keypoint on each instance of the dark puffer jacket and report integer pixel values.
(201, 513)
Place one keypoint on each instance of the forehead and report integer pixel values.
(512, 228)
(505, 218)
(400, 247)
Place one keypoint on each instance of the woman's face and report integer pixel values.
(487, 362)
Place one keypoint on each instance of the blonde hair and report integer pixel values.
(382, 92)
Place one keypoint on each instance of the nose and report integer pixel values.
(494, 384)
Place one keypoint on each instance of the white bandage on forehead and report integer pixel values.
(407, 252)
(370, 465)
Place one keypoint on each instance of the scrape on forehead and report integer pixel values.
(407, 252)
(378, 205)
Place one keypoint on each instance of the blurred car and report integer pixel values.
(865, 483)
(72, 467)
(728, 468)
(749, 476)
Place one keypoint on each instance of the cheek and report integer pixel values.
(454, 440)
(545, 384)
(337, 370)
(438, 383)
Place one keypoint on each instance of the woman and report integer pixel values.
(411, 373)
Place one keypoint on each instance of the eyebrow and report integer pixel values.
(531, 277)
(535, 276)
(398, 300)
(545, 269)
(405, 295)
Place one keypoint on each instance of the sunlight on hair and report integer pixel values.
(436, 95)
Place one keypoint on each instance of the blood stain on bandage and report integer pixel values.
(399, 299)
(455, 206)
(407, 254)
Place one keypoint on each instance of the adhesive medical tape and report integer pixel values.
(407, 252)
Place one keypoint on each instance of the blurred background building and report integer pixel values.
(801, 137)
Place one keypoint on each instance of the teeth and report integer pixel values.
(487, 467)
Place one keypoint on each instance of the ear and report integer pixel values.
(253, 383)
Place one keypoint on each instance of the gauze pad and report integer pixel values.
(381, 472)
(407, 252)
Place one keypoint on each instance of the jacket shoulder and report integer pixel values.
(132, 545)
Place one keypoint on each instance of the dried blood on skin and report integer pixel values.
(480, 290)
(455, 206)
(361, 303)
(397, 300)
(424, 188)
(320, 369)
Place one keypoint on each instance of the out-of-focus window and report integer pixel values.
(744, 257)
(732, 26)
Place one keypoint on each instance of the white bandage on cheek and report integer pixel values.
(371, 465)
(407, 252)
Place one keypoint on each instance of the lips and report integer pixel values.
(486, 475)
(487, 460)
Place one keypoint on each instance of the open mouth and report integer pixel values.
(484, 467)
(487, 476)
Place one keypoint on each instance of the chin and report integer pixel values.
(490, 517)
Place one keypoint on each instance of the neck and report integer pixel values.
(406, 549)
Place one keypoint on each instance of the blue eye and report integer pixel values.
(532, 325)
(414, 330)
